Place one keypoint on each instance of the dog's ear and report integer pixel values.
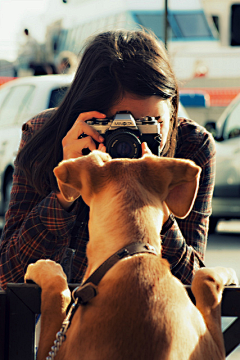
(74, 175)
(183, 189)
(176, 181)
(63, 175)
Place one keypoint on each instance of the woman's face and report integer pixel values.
(152, 106)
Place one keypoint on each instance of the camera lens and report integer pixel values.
(123, 144)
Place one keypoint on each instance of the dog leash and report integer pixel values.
(88, 290)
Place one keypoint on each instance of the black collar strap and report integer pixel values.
(88, 290)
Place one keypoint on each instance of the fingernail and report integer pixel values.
(101, 138)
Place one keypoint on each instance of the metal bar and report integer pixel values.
(232, 336)
(23, 301)
(29, 294)
(20, 324)
(230, 300)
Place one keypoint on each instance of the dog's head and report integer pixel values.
(174, 181)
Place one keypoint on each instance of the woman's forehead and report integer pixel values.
(140, 107)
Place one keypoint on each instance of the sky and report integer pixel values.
(15, 16)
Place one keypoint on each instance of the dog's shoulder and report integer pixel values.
(145, 275)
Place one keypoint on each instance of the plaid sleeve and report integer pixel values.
(35, 227)
(184, 244)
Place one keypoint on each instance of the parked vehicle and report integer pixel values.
(226, 196)
(21, 99)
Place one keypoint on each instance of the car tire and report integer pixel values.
(212, 225)
(7, 191)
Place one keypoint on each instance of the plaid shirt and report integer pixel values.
(39, 228)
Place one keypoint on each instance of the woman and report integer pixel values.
(119, 71)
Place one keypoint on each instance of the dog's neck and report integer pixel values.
(115, 223)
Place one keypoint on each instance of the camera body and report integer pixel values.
(123, 134)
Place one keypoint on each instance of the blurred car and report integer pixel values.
(226, 196)
(20, 100)
(182, 112)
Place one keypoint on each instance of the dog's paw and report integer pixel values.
(226, 276)
(46, 273)
(233, 279)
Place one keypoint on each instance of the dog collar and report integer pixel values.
(88, 290)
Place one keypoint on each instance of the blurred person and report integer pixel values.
(51, 68)
(66, 62)
(119, 71)
(39, 69)
(44, 68)
(29, 52)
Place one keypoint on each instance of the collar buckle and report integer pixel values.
(85, 293)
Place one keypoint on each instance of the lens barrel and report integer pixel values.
(122, 143)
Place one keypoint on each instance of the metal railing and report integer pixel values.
(20, 304)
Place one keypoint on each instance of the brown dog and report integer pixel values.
(141, 310)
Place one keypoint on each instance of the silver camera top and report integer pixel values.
(125, 119)
(123, 135)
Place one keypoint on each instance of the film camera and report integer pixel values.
(123, 134)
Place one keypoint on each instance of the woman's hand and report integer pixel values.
(73, 146)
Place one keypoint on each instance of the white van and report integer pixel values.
(20, 100)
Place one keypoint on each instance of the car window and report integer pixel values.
(57, 96)
(24, 109)
(14, 104)
(232, 124)
(3, 95)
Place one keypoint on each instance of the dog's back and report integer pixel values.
(138, 314)
(141, 310)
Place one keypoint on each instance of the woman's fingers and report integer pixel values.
(73, 143)
(145, 149)
(88, 143)
(102, 148)
(89, 115)
(74, 148)
(80, 127)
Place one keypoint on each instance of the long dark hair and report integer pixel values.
(113, 63)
